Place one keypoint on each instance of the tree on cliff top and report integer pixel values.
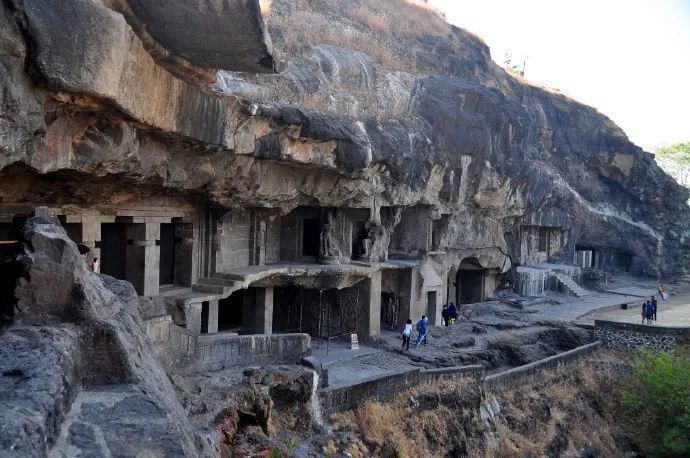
(675, 160)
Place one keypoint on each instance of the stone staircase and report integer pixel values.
(217, 283)
(568, 286)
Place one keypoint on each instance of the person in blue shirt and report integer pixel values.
(421, 331)
(650, 312)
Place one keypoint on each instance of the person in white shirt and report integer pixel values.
(406, 333)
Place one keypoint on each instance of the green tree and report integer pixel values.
(658, 400)
(675, 160)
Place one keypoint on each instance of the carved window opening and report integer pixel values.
(543, 239)
(359, 234)
(311, 236)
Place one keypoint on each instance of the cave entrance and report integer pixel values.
(11, 269)
(114, 249)
(311, 237)
(623, 260)
(204, 317)
(325, 315)
(469, 282)
(167, 254)
(431, 306)
(359, 235)
(11, 230)
(232, 311)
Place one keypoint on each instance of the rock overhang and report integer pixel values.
(223, 35)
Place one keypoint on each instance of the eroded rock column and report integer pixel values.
(192, 315)
(370, 322)
(143, 257)
(212, 317)
(263, 314)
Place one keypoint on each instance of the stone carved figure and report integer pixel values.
(390, 309)
(329, 251)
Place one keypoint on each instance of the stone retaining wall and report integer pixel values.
(521, 374)
(386, 387)
(220, 351)
(619, 335)
(180, 349)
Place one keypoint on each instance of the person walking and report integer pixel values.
(406, 333)
(644, 311)
(421, 331)
(654, 306)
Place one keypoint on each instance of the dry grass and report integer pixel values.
(579, 400)
(398, 428)
(380, 28)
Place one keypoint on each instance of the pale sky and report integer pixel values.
(630, 59)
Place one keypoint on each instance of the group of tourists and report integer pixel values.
(421, 326)
(449, 315)
(650, 308)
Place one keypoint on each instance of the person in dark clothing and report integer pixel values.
(444, 314)
(644, 311)
(452, 313)
(654, 306)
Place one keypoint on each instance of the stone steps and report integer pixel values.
(570, 287)
(214, 284)
(228, 276)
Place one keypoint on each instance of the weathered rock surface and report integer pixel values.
(39, 377)
(338, 126)
(77, 370)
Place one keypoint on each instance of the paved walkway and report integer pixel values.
(674, 312)
(346, 366)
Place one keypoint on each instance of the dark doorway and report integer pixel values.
(469, 282)
(359, 233)
(230, 312)
(623, 260)
(204, 317)
(5, 229)
(311, 237)
(13, 231)
(470, 286)
(431, 306)
(167, 259)
(114, 249)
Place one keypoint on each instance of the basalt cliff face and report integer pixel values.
(371, 105)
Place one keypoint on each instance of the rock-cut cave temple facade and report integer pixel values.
(233, 212)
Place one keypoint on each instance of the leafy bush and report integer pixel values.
(658, 400)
